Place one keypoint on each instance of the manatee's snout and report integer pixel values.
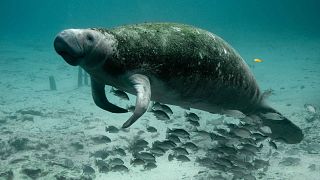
(67, 45)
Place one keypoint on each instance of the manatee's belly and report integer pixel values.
(207, 96)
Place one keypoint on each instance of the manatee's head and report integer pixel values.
(88, 48)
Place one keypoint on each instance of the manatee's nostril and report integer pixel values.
(63, 53)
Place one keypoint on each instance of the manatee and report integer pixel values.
(169, 63)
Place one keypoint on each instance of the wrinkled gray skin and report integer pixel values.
(170, 63)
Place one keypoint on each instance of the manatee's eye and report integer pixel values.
(90, 37)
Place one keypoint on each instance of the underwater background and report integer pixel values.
(62, 134)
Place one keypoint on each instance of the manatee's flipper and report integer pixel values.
(100, 99)
(142, 86)
(281, 127)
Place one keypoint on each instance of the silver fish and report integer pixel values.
(119, 93)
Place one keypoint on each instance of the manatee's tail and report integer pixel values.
(281, 127)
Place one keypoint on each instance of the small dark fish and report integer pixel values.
(165, 145)
(135, 149)
(217, 137)
(242, 163)
(258, 137)
(179, 132)
(190, 145)
(104, 169)
(88, 170)
(290, 161)
(192, 116)
(115, 161)
(246, 152)
(259, 163)
(161, 115)
(120, 151)
(206, 162)
(99, 162)
(157, 151)
(203, 133)
(213, 152)
(112, 129)
(173, 138)
(251, 147)
(120, 94)
(166, 109)
(77, 145)
(241, 132)
(182, 158)
(170, 157)
(248, 141)
(101, 139)
(131, 108)
(272, 116)
(137, 162)
(180, 151)
(150, 166)
(141, 143)
(223, 132)
(231, 126)
(273, 144)
(224, 162)
(103, 154)
(33, 173)
(194, 123)
(227, 150)
(120, 168)
(151, 129)
(156, 106)
(147, 157)
(102, 165)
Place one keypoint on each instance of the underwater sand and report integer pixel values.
(52, 120)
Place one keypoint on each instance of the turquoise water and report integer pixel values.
(56, 134)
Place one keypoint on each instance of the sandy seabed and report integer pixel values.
(50, 131)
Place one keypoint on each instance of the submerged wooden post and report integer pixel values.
(86, 79)
(52, 83)
(80, 77)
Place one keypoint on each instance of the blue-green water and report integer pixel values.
(46, 134)
(44, 19)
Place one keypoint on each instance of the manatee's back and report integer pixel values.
(192, 61)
